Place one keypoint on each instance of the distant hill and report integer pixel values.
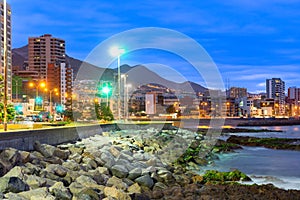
(19, 55)
(137, 75)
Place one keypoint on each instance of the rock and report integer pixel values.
(87, 155)
(31, 169)
(57, 170)
(145, 180)
(76, 157)
(157, 194)
(49, 175)
(71, 176)
(60, 191)
(62, 154)
(35, 182)
(126, 157)
(159, 186)
(139, 156)
(83, 192)
(115, 193)
(87, 181)
(17, 171)
(91, 164)
(125, 163)
(107, 157)
(126, 152)
(37, 194)
(114, 151)
(149, 170)
(88, 194)
(135, 188)
(116, 182)
(76, 150)
(119, 171)
(76, 188)
(127, 181)
(45, 149)
(13, 196)
(8, 159)
(12, 184)
(53, 160)
(133, 174)
(103, 170)
(25, 156)
(71, 165)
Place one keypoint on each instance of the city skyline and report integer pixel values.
(248, 42)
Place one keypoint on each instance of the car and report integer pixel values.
(58, 118)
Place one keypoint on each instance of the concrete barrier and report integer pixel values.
(23, 140)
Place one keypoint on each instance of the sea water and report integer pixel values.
(279, 167)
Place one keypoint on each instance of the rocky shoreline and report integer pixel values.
(122, 165)
(271, 143)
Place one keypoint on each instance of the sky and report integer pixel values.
(249, 41)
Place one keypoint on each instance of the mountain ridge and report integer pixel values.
(137, 74)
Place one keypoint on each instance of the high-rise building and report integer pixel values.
(294, 94)
(275, 89)
(46, 55)
(45, 50)
(8, 45)
(237, 92)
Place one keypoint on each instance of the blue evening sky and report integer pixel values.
(248, 40)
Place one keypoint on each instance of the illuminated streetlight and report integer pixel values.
(37, 86)
(106, 91)
(116, 51)
(50, 96)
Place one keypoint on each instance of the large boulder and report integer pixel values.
(8, 159)
(135, 188)
(145, 180)
(62, 154)
(57, 170)
(119, 171)
(37, 194)
(35, 182)
(115, 193)
(117, 183)
(60, 191)
(133, 174)
(17, 171)
(12, 184)
(45, 149)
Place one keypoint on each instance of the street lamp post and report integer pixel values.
(37, 85)
(50, 99)
(127, 100)
(115, 51)
(106, 90)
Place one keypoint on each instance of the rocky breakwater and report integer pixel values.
(120, 165)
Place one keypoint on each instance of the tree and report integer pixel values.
(10, 112)
(103, 112)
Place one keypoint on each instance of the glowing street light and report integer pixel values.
(37, 86)
(117, 52)
(50, 96)
(106, 91)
